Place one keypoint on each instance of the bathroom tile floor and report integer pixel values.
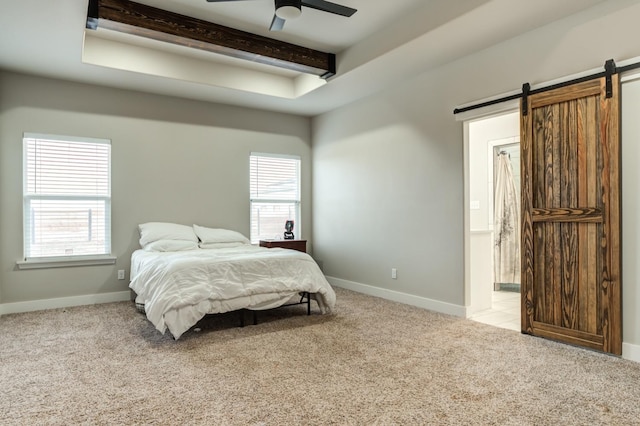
(504, 312)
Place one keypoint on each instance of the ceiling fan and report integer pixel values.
(291, 9)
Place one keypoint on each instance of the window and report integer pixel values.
(274, 194)
(67, 197)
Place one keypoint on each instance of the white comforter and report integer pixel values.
(179, 288)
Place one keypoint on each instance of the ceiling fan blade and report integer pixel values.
(326, 6)
(277, 23)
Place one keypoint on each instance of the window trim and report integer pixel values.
(63, 262)
(66, 261)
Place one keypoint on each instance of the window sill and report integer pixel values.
(66, 262)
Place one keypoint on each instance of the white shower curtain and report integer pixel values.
(506, 224)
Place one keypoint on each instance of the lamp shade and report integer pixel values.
(288, 9)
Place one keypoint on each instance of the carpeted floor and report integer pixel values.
(372, 362)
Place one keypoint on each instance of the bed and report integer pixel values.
(183, 273)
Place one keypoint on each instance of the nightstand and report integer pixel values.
(300, 245)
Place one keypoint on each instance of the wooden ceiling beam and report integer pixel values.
(145, 21)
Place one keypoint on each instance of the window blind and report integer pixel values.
(275, 177)
(274, 195)
(67, 196)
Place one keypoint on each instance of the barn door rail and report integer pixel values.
(610, 69)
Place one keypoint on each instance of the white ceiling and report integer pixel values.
(385, 41)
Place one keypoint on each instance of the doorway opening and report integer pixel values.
(493, 188)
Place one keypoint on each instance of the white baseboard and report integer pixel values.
(63, 302)
(396, 296)
(631, 352)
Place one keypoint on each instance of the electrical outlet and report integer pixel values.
(121, 274)
(394, 273)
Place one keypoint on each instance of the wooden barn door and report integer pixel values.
(571, 289)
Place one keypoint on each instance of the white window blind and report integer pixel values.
(274, 195)
(67, 197)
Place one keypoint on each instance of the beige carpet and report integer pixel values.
(373, 362)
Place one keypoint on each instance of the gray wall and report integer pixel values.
(630, 213)
(388, 189)
(388, 170)
(172, 160)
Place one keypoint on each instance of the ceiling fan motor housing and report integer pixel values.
(288, 9)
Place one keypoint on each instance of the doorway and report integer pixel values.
(493, 187)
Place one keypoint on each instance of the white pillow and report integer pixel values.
(154, 231)
(170, 245)
(221, 245)
(213, 235)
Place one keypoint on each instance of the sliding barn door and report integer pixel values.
(571, 289)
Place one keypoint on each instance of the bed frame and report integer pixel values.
(305, 299)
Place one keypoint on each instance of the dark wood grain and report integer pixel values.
(587, 232)
(567, 214)
(528, 173)
(552, 97)
(569, 230)
(574, 337)
(150, 22)
(611, 321)
(557, 287)
(571, 216)
(552, 285)
(539, 254)
(614, 339)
